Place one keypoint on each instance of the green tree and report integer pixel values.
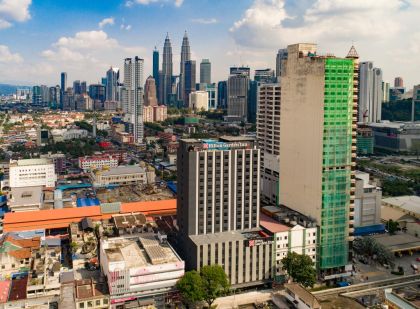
(300, 268)
(191, 288)
(215, 283)
(392, 226)
(368, 247)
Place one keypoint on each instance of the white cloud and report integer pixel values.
(7, 57)
(106, 21)
(86, 55)
(125, 27)
(130, 3)
(205, 21)
(378, 27)
(13, 11)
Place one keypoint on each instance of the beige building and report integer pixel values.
(123, 175)
(148, 114)
(318, 147)
(199, 100)
(405, 210)
(367, 204)
(268, 135)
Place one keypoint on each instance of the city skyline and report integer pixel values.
(98, 35)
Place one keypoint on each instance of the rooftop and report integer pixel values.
(407, 203)
(303, 294)
(25, 196)
(88, 289)
(399, 242)
(138, 251)
(272, 225)
(122, 170)
(288, 216)
(228, 236)
(29, 162)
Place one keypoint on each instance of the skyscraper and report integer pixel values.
(205, 71)
(167, 69)
(281, 55)
(63, 87)
(77, 88)
(370, 93)
(222, 94)
(398, 82)
(97, 92)
(268, 135)
(218, 208)
(112, 77)
(150, 92)
(190, 80)
(83, 87)
(156, 71)
(185, 56)
(237, 94)
(385, 91)
(132, 95)
(415, 103)
(318, 148)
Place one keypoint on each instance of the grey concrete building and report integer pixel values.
(370, 93)
(218, 208)
(367, 204)
(237, 96)
(268, 135)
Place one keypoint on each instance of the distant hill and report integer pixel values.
(6, 89)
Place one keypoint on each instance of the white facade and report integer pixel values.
(132, 95)
(139, 266)
(199, 100)
(90, 163)
(367, 204)
(32, 172)
(370, 93)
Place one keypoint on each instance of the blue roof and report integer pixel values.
(368, 230)
(82, 202)
(74, 186)
(172, 186)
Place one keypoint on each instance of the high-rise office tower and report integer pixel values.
(156, 71)
(77, 88)
(167, 69)
(265, 76)
(150, 92)
(190, 79)
(370, 93)
(44, 94)
(218, 207)
(36, 95)
(97, 92)
(63, 87)
(185, 56)
(281, 56)
(132, 95)
(385, 91)
(83, 87)
(398, 82)
(268, 135)
(415, 103)
(237, 95)
(205, 71)
(318, 147)
(222, 94)
(112, 78)
(240, 70)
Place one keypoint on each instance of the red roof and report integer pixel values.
(272, 225)
(4, 290)
(18, 290)
(59, 218)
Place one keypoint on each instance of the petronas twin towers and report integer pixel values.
(166, 78)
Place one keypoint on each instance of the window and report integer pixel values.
(98, 302)
(81, 305)
(90, 304)
(105, 301)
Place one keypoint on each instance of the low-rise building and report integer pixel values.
(405, 210)
(292, 232)
(367, 203)
(90, 294)
(97, 162)
(25, 198)
(123, 175)
(301, 297)
(32, 172)
(140, 270)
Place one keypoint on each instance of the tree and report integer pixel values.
(215, 282)
(392, 226)
(300, 268)
(368, 247)
(191, 288)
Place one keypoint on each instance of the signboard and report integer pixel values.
(213, 145)
(259, 242)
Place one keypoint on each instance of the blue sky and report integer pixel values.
(40, 38)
